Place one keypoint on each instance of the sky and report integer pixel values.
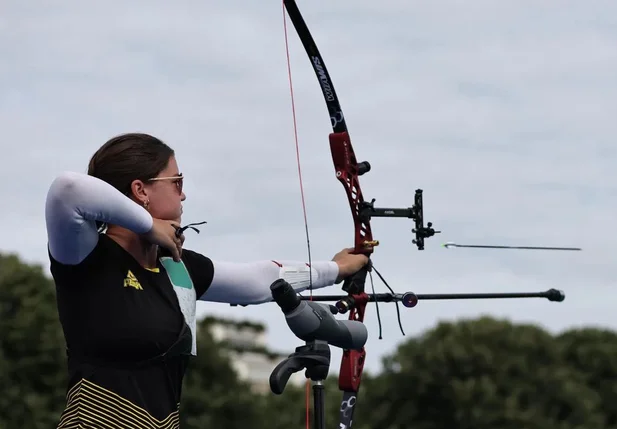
(502, 112)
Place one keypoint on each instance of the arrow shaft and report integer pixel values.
(487, 246)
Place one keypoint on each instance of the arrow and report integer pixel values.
(486, 246)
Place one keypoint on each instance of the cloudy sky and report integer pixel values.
(503, 112)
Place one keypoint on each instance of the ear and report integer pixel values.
(139, 192)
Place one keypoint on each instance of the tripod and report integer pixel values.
(315, 358)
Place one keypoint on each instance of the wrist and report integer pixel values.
(328, 272)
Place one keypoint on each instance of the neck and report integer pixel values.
(144, 252)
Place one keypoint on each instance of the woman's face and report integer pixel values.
(164, 194)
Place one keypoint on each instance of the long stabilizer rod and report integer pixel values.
(410, 299)
(450, 244)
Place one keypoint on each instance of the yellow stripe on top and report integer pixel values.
(94, 405)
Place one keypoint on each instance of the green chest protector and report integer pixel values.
(185, 291)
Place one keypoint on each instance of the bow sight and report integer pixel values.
(347, 172)
(416, 212)
(367, 210)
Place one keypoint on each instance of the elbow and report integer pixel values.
(255, 299)
(63, 185)
(61, 198)
(65, 190)
(236, 299)
(233, 296)
(59, 189)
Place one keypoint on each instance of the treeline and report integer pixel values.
(473, 374)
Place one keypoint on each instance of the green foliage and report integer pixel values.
(484, 374)
(32, 352)
(479, 374)
(212, 395)
(592, 353)
(287, 410)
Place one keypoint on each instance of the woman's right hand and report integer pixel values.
(163, 233)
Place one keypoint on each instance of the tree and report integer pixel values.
(212, 395)
(289, 410)
(592, 353)
(482, 374)
(32, 352)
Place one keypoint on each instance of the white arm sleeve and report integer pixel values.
(74, 202)
(249, 283)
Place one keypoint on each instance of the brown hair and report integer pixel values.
(128, 157)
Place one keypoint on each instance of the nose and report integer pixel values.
(182, 196)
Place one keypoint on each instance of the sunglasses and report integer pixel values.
(178, 180)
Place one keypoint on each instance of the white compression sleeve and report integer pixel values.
(249, 283)
(74, 202)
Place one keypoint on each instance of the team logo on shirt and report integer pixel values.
(131, 281)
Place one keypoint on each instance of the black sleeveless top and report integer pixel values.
(129, 333)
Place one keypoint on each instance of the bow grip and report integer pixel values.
(354, 284)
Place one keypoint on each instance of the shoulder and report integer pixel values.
(103, 255)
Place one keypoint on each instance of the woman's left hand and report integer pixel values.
(349, 263)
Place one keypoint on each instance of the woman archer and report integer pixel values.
(127, 290)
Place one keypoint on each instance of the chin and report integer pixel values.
(174, 218)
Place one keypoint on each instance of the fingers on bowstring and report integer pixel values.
(177, 253)
(178, 240)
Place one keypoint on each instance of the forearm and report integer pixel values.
(249, 283)
(75, 202)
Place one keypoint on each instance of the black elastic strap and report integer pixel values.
(180, 230)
